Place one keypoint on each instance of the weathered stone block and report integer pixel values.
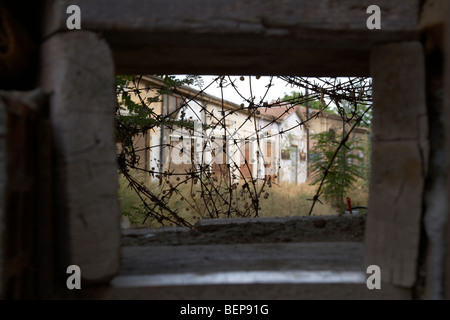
(398, 90)
(399, 158)
(232, 16)
(77, 70)
(267, 37)
(393, 222)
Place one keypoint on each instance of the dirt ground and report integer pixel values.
(253, 230)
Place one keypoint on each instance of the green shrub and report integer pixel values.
(343, 173)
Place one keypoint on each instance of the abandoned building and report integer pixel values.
(230, 134)
(58, 170)
(282, 156)
(329, 121)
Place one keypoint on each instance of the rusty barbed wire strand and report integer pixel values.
(354, 92)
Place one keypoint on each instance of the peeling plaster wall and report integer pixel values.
(293, 170)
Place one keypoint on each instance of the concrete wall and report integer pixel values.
(318, 39)
(148, 158)
(328, 122)
(294, 170)
(398, 161)
(82, 104)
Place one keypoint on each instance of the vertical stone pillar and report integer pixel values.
(434, 27)
(23, 198)
(3, 185)
(399, 158)
(446, 49)
(77, 71)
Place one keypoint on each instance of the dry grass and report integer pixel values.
(292, 200)
(283, 200)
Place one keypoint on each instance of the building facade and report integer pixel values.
(248, 142)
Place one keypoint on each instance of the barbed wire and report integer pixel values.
(208, 190)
